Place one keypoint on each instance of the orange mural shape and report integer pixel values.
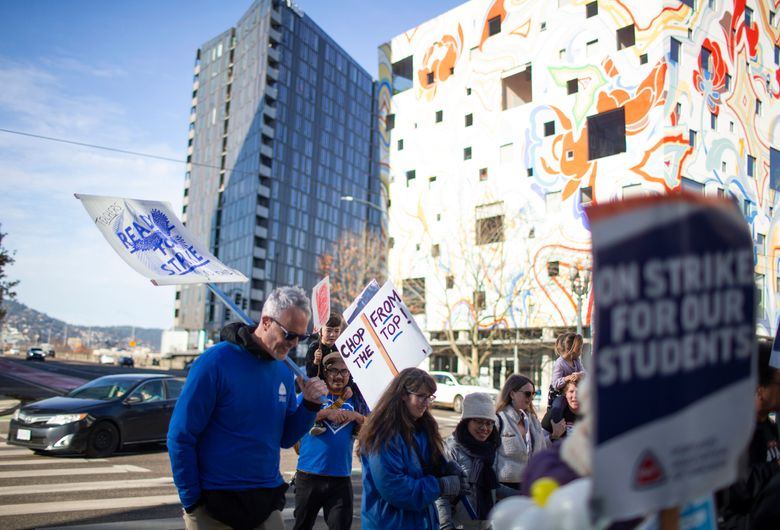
(649, 94)
(496, 10)
(440, 60)
(571, 155)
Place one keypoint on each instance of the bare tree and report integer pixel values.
(355, 259)
(6, 286)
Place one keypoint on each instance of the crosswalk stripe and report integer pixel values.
(172, 523)
(41, 461)
(122, 503)
(87, 486)
(69, 472)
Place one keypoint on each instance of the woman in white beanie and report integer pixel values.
(473, 447)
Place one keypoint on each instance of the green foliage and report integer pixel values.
(6, 286)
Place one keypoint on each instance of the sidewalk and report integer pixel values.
(7, 405)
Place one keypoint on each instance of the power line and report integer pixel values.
(118, 150)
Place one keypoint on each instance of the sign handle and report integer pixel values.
(670, 518)
(297, 370)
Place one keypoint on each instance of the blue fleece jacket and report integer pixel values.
(234, 413)
(396, 493)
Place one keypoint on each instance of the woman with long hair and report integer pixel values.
(520, 430)
(400, 448)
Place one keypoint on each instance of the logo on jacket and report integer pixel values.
(282, 393)
(336, 427)
(648, 472)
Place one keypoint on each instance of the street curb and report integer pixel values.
(7, 405)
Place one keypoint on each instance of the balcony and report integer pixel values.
(273, 54)
(262, 211)
(269, 111)
(264, 191)
(273, 73)
(267, 151)
(258, 274)
(272, 92)
(268, 131)
(259, 253)
(275, 34)
(276, 16)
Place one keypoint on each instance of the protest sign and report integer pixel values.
(320, 303)
(382, 340)
(673, 353)
(360, 302)
(150, 238)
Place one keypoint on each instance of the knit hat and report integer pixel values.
(479, 405)
(332, 358)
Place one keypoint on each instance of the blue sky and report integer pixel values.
(119, 73)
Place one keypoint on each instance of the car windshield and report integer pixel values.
(467, 380)
(103, 389)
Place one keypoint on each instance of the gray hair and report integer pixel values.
(283, 298)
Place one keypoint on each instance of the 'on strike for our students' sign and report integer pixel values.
(382, 340)
(152, 240)
(674, 343)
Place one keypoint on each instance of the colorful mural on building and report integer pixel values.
(532, 109)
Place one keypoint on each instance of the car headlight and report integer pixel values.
(62, 419)
(15, 415)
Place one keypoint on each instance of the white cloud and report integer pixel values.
(65, 267)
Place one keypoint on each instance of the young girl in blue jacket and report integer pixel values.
(401, 452)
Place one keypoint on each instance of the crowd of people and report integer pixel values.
(239, 407)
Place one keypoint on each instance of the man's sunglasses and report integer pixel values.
(289, 335)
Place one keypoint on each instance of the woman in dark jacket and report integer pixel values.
(561, 417)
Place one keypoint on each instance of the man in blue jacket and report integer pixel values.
(236, 410)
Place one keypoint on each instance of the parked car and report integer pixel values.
(100, 417)
(106, 359)
(36, 354)
(126, 360)
(451, 389)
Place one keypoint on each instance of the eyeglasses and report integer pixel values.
(333, 372)
(430, 398)
(289, 335)
(483, 424)
(528, 393)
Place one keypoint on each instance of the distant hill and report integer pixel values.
(39, 327)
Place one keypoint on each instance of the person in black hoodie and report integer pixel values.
(752, 501)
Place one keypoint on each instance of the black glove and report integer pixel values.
(449, 485)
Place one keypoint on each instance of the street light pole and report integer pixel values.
(580, 285)
(350, 198)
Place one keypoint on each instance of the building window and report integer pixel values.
(751, 166)
(761, 244)
(494, 26)
(727, 82)
(414, 294)
(591, 9)
(760, 288)
(479, 301)
(705, 57)
(643, 59)
(401, 144)
(410, 176)
(590, 47)
(771, 18)
(431, 180)
(626, 37)
(469, 120)
(748, 17)
(632, 190)
(490, 230)
(691, 137)
(552, 202)
(586, 195)
(403, 73)
(774, 169)
(549, 128)
(689, 3)
(439, 116)
(713, 120)
(553, 268)
(435, 250)
(483, 174)
(777, 54)
(529, 171)
(429, 78)
(450, 281)
(390, 122)
(758, 107)
(692, 186)
(516, 89)
(468, 91)
(572, 86)
(674, 50)
(467, 153)
(607, 134)
(543, 26)
(505, 153)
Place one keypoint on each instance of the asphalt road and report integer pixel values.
(131, 490)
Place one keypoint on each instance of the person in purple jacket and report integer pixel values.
(567, 367)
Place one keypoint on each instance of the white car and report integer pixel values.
(107, 359)
(451, 389)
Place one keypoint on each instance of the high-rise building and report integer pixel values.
(503, 120)
(281, 128)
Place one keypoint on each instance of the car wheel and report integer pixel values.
(103, 440)
(457, 404)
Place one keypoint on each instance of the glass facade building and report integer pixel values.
(281, 128)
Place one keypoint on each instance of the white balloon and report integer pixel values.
(568, 505)
(534, 518)
(507, 511)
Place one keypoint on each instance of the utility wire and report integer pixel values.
(118, 150)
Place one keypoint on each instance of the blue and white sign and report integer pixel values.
(673, 351)
(152, 240)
